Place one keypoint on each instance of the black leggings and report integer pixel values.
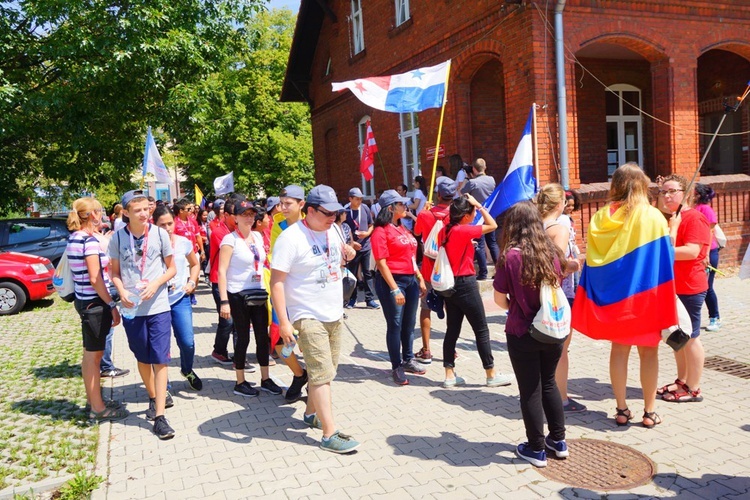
(466, 301)
(243, 315)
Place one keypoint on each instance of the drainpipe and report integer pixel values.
(562, 108)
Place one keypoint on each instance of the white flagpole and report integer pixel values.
(536, 144)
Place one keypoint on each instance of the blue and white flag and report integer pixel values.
(152, 161)
(224, 184)
(519, 183)
(417, 90)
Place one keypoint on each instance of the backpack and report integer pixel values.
(431, 246)
(551, 324)
(63, 279)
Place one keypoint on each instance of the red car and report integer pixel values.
(23, 277)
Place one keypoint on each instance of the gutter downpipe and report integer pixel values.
(562, 108)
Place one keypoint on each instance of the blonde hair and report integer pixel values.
(683, 182)
(629, 186)
(549, 198)
(80, 215)
(117, 210)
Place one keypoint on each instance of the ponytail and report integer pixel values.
(80, 213)
(460, 207)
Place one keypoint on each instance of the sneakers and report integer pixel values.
(269, 385)
(714, 325)
(114, 373)
(339, 443)
(424, 356)
(162, 429)
(560, 448)
(295, 388)
(151, 412)
(271, 361)
(500, 379)
(412, 366)
(535, 458)
(168, 401)
(245, 389)
(453, 382)
(312, 421)
(371, 304)
(573, 406)
(399, 377)
(222, 359)
(194, 381)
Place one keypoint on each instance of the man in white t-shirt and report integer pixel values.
(306, 291)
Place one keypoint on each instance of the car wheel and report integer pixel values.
(12, 298)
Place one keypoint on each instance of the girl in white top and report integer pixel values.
(180, 289)
(241, 262)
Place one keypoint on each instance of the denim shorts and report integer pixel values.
(150, 337)
(694, 305)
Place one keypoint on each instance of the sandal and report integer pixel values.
(624, 413)
(663, 390)
(683, 395)
(109, 414)
(653, 416)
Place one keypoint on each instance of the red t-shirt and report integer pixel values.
(425, 222)
(690, 275)
(189, 229)
(218, 232)
(460, 249)
(397, 246)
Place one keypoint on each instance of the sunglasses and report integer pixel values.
(326, 213)
(670, 192)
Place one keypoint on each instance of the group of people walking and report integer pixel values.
(276, 273)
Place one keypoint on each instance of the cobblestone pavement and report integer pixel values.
(421, 440)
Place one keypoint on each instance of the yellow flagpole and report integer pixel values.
(440, 130)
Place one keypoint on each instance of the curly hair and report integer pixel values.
(523, 229)
(683, 182)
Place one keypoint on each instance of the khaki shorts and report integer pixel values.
(321, 344)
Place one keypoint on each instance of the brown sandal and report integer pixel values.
(624, 413)
(683, 395)
(663, 390)
(653, 416)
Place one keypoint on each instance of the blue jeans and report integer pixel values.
(182, 325)
(490, 241)
(712, 302)
(400, 319)
(106, 364)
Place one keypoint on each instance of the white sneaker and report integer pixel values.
(714, 325)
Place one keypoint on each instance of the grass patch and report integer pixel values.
(44, 431)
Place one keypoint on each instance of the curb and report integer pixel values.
(35, 489)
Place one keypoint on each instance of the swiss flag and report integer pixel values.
(369, 148)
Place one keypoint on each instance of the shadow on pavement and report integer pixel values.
(242, 426)
(60, 370)
(59, 409)
(451, 449)
(707, 486)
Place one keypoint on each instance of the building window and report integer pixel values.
(402, 12)
(358, 33)
(368, 187)
(410, 147)
(624, 127)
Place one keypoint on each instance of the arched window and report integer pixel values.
(368, 187)
(624, 126)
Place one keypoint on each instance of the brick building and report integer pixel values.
(644, 81)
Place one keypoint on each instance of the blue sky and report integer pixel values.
(292, 5)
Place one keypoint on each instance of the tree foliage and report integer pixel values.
(81, 79)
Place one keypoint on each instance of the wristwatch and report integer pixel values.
(112, 304)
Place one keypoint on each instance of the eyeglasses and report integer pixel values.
(326, 213)
(670, 192)
(190, 209)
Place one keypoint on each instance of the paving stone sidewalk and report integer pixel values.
(421, 441)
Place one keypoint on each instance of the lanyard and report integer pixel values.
(327, 256)
(144, 248)
(252, 248)
(356, 221)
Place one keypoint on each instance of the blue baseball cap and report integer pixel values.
(293, 191)
(132, 195)
(271, 202)
(389, 197)
(324, 196)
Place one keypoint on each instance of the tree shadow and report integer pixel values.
(451, 449)
(60, 370)
(243, 426)
(707, 486)
(57, 409)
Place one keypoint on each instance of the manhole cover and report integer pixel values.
(600, 465)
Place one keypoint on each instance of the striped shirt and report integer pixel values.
(81, 245)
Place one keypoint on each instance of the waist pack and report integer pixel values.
(254, 296)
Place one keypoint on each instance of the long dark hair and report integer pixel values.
(160, 211)
(704, 194)
(422, 184)
(458, 209)
(384, 217)
(523, 229)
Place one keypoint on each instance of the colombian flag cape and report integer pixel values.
(627, 294)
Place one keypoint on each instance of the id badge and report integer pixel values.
(141, 285)
(256, 278)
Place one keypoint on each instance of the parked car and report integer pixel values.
(42, 236)
(23, 277)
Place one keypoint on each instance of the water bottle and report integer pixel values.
(287, 350)
(129, 312)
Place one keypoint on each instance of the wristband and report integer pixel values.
(191, 282)
(397, 291)
(224, 302)
(112, 304)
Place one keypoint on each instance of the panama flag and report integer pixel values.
(152, 161)
(519, 183)
(414, 91)
(224, 184)
(369, 148)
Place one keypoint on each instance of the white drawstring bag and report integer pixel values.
(431, 246)
(721, 238)
(442, 278)
(63, 280)
(551, 324)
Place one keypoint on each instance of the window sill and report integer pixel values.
(395, 31)
(358, 56)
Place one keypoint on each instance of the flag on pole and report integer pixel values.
(519, 183)
(369, 148)
(224, 184)
(414, 91)
(152, 161)
(199, 200)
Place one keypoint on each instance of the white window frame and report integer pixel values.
(358, 32)
(406, 136)
(368, 187)
(621, 120)
(403, 12)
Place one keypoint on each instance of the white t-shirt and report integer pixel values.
(312, 261)
(460, 177)
(182, 248)
(419, 196)
(245, 269)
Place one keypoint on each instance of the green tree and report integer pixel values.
(242, 126)
(81, 79)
